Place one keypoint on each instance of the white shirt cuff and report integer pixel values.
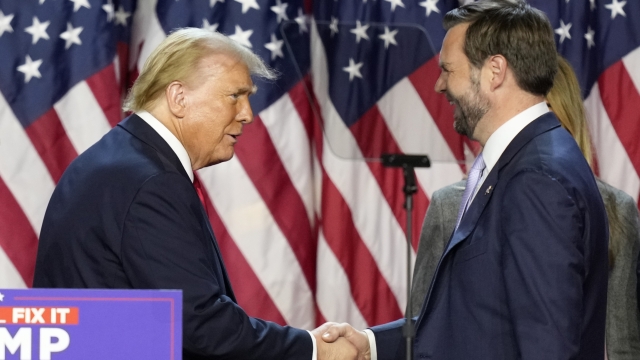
(314, 354)
(372, 344)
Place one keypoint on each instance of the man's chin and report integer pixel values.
(460, 129)
(221, 159)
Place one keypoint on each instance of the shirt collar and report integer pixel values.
(502, 137)
(171, 139)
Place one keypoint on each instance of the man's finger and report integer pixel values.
(336, 331)
(322, 329)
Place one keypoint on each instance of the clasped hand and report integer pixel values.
(341, 341)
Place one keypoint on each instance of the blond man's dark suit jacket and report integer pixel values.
(623, 317)
(125, 215)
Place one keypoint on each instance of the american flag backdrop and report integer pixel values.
(311, 229)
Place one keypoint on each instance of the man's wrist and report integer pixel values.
(372, 344)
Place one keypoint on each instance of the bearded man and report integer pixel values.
(524, 275)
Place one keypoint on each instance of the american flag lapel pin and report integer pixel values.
(488, 190)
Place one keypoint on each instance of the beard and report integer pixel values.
(470, 107)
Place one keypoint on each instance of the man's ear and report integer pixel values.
(498, 68)
(175, 94)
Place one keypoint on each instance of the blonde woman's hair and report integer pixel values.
(177, 57)
(565, 100)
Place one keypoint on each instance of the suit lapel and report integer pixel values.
(218, 254)
(469, 221)
(139, 128)
(470, 218)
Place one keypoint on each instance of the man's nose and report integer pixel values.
(245, 115)
(440, 86)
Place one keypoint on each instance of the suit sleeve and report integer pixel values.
(390, 343)
(623, 335)
(164, 246)
(543, 266)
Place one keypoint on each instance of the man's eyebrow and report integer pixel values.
(247, 90)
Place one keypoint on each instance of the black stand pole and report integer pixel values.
(408, 163)
(409, 189)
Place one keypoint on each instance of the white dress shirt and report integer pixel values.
(171, 139)
(493, 149)
(502, 137)
(183, 156)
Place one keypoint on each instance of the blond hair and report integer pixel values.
(177, 57)
(565, 100)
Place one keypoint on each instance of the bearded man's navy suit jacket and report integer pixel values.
(525, 274)
(125, 215)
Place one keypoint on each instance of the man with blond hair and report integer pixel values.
(128, 212)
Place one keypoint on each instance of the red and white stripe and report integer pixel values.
(33, 159)
(614, 122)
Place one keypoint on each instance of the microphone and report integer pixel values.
(404, 160)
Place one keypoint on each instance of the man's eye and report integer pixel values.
(235, 96)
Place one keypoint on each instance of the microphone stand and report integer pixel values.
(408, 163)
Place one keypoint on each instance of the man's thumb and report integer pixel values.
(333, 333)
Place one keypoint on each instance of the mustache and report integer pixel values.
(450, 98)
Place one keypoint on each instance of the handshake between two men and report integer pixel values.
(341, 341)
(524, 273)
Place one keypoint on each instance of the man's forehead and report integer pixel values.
(453, 44)
(455, 36)
(217, 63)
(238, 80)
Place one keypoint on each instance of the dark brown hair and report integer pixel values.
(515, 30)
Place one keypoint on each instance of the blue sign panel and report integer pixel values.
(51, 324)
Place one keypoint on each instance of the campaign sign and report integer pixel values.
(61, 324)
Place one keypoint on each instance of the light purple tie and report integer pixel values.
(472, 181)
